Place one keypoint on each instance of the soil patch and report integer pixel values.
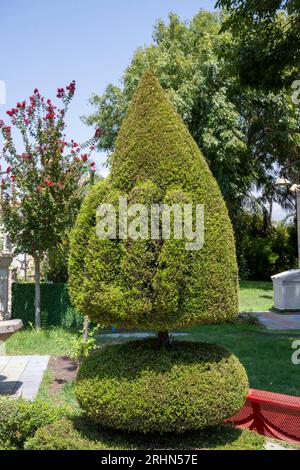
(64, 370)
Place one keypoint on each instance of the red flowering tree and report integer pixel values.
(42, 189)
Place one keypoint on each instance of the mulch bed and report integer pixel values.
(64, 370)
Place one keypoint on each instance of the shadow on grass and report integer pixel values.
(220, 436)
(79, 433)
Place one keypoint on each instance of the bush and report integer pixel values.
(153, 283)
(56, 309)
(60, 435)
(20, 419)
(141, 386)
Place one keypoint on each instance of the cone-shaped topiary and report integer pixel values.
(155, 284)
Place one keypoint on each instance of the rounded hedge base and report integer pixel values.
(143, 386)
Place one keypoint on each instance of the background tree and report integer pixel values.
(55, 263)
(227, 121)
(266, 53)
(42, 192)
(263, 248)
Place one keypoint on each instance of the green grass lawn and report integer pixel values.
(256, 296)
(81, 434)
(54, 341)
(265, 355)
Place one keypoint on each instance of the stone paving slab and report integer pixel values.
(21, 376)
(134, 335)
(270, 445)
(279, 321)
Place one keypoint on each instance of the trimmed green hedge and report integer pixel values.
(144, 387)
(56, 308)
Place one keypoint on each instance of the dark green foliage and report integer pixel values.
(55, 264)
(61, 435)
(150, 283)
(141, 386)
(20, 419)
(67, 435)
(56, 309)
(267, 54)
(262, 250)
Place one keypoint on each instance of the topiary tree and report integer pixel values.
(155, 284)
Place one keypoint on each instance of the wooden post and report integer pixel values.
(85, 335)
(37, 301)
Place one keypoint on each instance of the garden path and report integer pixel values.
(21, 376)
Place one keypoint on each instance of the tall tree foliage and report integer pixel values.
(154, 283)
(267, 52)
(229, 123)
(265, 55)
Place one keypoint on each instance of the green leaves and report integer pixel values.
(142, 387)
(195, 63)
(42, 190)
(154, 283)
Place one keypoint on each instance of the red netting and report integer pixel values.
(271, 414)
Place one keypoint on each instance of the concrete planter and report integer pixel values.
(287, 290)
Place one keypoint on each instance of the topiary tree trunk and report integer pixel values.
(163, 337)
(37, 298)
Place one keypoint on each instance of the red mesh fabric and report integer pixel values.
(270, 414)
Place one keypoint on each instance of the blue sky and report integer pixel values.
(48, 43)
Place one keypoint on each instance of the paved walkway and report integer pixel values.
(279, 321)
(134, 335)
(21, 376)
(271, 445)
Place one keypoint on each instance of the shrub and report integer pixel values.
(20, 419)
(143, 386)
(150, 283)
(61, 435)
(246, 318)
(141, 282)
